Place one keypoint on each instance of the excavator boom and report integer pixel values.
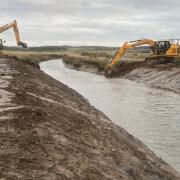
(16, 32)
(129, 45)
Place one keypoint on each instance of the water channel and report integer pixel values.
(150, 114)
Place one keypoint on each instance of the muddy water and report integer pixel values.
(151, 115)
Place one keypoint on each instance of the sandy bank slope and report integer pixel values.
(168, 79)
(56, 134)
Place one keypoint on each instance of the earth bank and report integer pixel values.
(49, 131)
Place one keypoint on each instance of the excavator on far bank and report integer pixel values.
(14, 26)
(162, 51)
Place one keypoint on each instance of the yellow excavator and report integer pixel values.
(164, 51)
(14, 26)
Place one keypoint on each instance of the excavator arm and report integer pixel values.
(16, 32)
(129, 45)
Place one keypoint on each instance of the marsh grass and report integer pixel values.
(75, 57)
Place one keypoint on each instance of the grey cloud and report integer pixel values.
(97, 22)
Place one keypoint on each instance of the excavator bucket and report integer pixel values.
(108, 72)
(22, 44)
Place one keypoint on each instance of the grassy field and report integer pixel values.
(34, 57)
(76, 56)
(73, 55)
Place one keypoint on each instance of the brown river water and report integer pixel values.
(150, 114)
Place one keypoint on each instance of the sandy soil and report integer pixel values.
(50, 132)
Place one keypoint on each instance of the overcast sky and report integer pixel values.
(97, 22)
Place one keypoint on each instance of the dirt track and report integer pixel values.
(52, 132)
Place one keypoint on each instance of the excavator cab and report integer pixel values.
(1, 44)
(161, 47)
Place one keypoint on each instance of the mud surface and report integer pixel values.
(163, 76)
(49, 131)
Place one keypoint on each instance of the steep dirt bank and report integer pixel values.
(163, 76)
(154, 74)
(54, 133)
